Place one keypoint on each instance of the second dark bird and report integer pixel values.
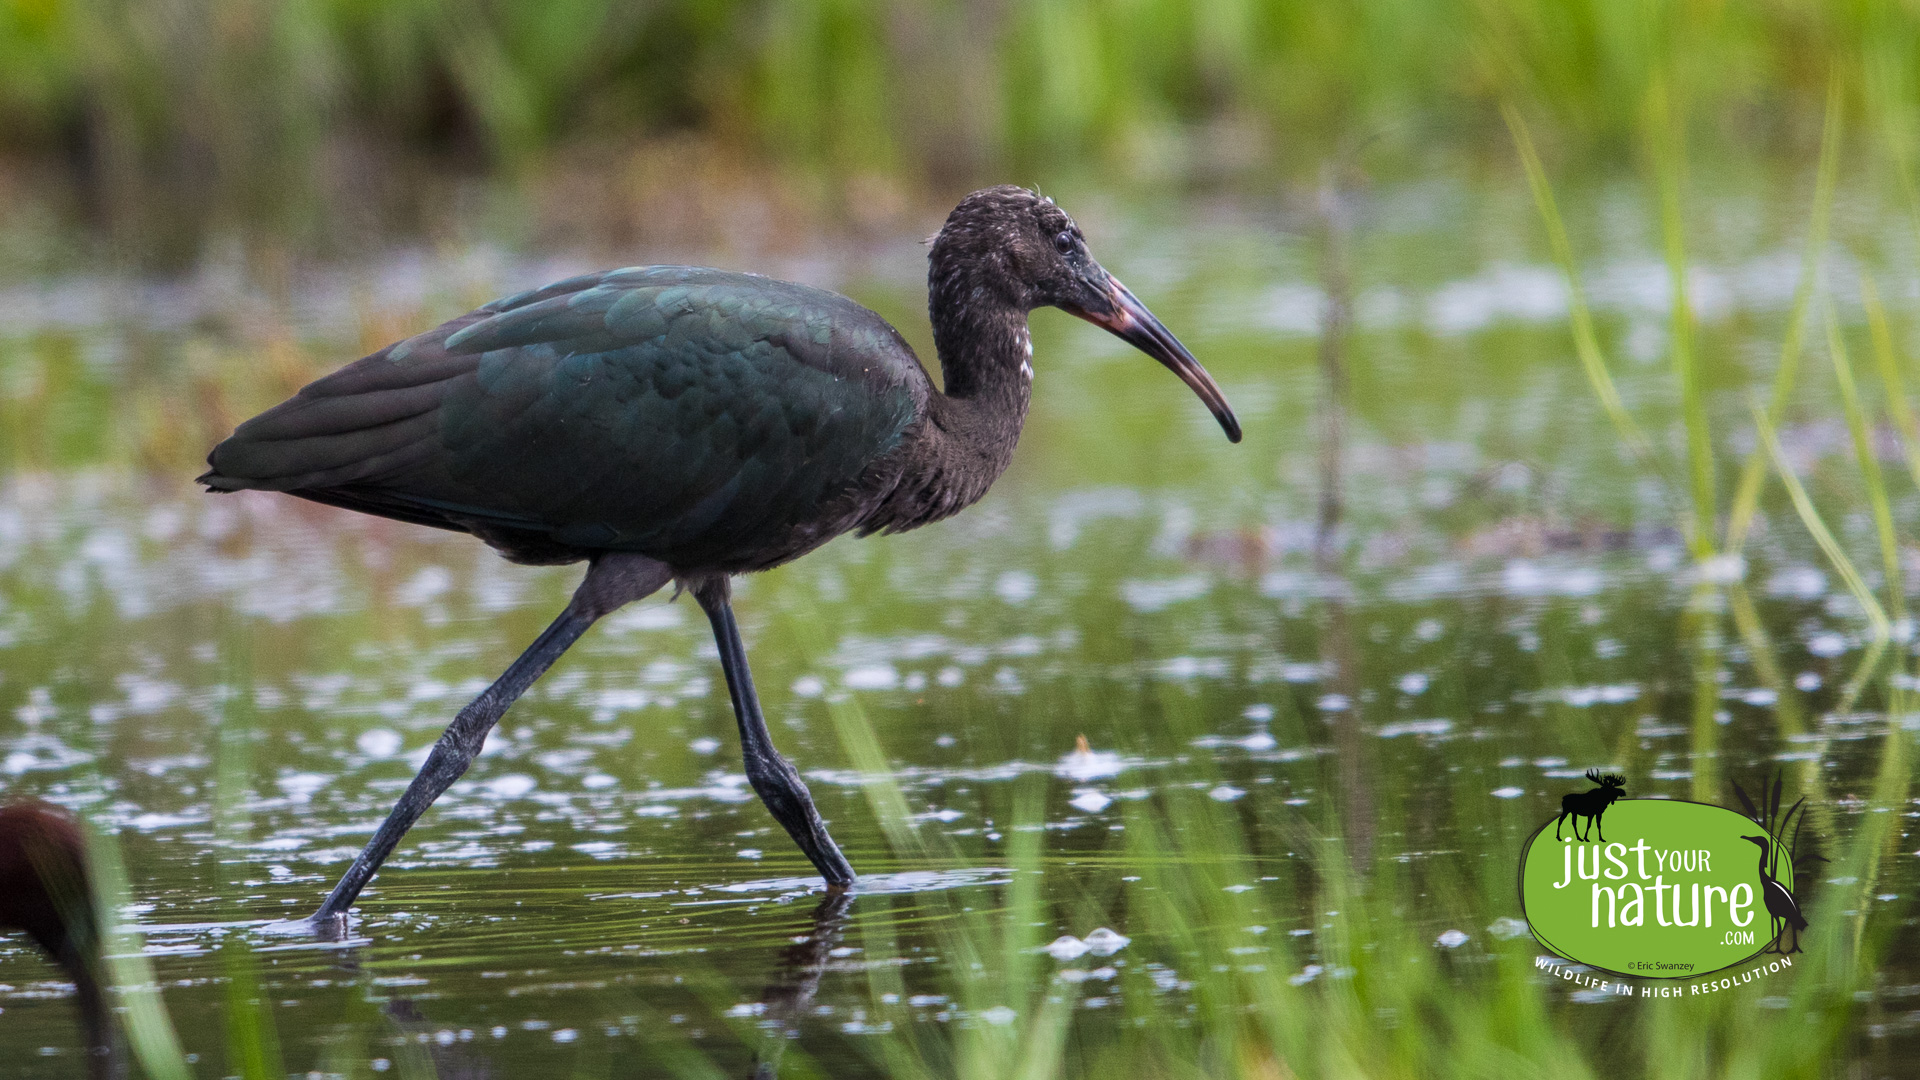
(46, 891)
(683, 424)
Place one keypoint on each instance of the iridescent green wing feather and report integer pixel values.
(644, 409)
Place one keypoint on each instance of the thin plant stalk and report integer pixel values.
(1789, 711)
(1753, 475)
(150, 1032)
(1586, 342)
(1887, 360)
(1891, 105)
(1810, 517)
(1789, 706)
(1891, 786)
(1700, 630)
(863, 749)
(253, 1043)
(1858, 423)
(1665, 147)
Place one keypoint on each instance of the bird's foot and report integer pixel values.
(785, 795)
(319, 925)
(817, 844)
(833, 866)
(329, 926)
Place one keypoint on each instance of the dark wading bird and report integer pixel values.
(1590, 804)
(681, 424)
(1781, 906)
(44, 891)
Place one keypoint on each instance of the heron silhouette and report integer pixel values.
(1781, 905)
(46, 892)
(682, 424)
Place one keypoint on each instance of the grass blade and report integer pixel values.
(863, 749)
(1888, 361)
(1858, 424)
(150, 1032)
(1810, 517)
(1586, 343)
(1665, 146)
(1746, 498)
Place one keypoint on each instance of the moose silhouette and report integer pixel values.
(1590, 804)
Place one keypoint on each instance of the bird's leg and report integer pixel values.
(774, 779)
(612, 580)
(453, 753)
(106, 1054)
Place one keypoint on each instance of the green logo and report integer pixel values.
(1660, 888)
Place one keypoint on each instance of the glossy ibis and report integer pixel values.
(45, 891)
(682, 424)
(1781, 905)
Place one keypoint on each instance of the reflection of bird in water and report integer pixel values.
(680, 424)
(45, 891)
(786, 997)
(797, 978)
(450, 1060)
(1780, 902)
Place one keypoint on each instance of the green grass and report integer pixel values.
(293, 116)
(928, 94)
(149, 1029)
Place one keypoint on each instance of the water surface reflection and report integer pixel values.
(1139, 688)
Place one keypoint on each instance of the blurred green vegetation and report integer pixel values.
(171, 125)
(172, 117)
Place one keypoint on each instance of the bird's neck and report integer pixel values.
(984, 348)
(970, 430)
(986, 364)
(989, 370)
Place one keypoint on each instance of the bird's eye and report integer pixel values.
(1064, 243)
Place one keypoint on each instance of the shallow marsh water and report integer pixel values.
(1305, 786)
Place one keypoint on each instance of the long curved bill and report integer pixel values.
(1131, 322)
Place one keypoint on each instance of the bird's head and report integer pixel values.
(1009, 248)
(45, 891)
(1762, 841)
(43, 881)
